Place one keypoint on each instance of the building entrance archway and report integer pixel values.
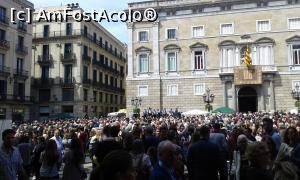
(247, 99)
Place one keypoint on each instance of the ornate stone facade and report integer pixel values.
(196, 44)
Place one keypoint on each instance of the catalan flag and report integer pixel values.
(247, 59)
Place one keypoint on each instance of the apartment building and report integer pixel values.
(15, 62)
(78, 68)
(195, 45)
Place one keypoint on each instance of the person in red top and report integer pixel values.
(83, 137)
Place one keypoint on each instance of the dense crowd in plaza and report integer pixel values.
(171, 147)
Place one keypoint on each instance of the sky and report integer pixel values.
(118, 29)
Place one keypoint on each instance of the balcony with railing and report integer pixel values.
(4, 44)
(22, 26)
(16, 98)
(68, 58)
(265, 69)
(67, 82)
(86, 82)
(21, 50)
(43, 82)
(20, 73)
(45, 60)
(4, 20)
(74, 34)
(86, 59)
(4, 71)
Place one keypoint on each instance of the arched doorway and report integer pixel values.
(247, 98)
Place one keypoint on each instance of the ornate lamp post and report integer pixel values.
(136, 102)
(296, 95)
(208, 98)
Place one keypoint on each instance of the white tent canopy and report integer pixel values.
(194, 112)
(294, 111)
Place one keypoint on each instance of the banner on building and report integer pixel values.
(247, 75)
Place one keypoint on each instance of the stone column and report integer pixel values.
(234, 97)
(155, 48)
(130, 50)
(225, 100)
(272, 96)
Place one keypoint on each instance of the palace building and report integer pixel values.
(200, 44)
(78, 68)
(15, 62)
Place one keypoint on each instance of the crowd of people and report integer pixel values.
(237, 146)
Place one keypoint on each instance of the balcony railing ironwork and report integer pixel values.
(4, 44)
(77, 33)
(17, 98)
(4, 71)
(21, 50)
(68, 58)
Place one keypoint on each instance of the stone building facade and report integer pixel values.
(77, 67)
(194, 45)
(15, 62)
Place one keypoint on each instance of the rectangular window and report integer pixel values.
(85, 94)
(85, 31)
(106, 79)
(263, 25)
(44, 111)
(121, 99)
(264, 55)
(143, 62)
(3, 88)
(95, 37)
(95, 75)
(227, 28)
(100, 97)
(199, 89)
(68, 94)
(2, 62)
(85, 73)
(172, 90)
(68, 73)
(2, 113)
(143, 90)
(111, 98)
(198, 31)
(2, 34)
(2, 14)
(45, 73)
(106, 98)
(44, 95)
(45, 52)
(20, 65)
(94, 56)
(20, 42)
(67, 109)
(143, 36)
(296, 54)
(69, 29)
(68, 49)
(85, 51)
(227, 57)
(100, 77)
(294, 23)
(199, 60)
(95, 96)
(46, 30)
(172, 61)
(171, 33)
(116, 99)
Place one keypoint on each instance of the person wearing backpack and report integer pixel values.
(141, 161)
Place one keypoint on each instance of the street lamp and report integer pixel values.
(136, 102)
(208, 98)
(296, 95)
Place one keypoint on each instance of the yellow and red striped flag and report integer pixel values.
(247, 59)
